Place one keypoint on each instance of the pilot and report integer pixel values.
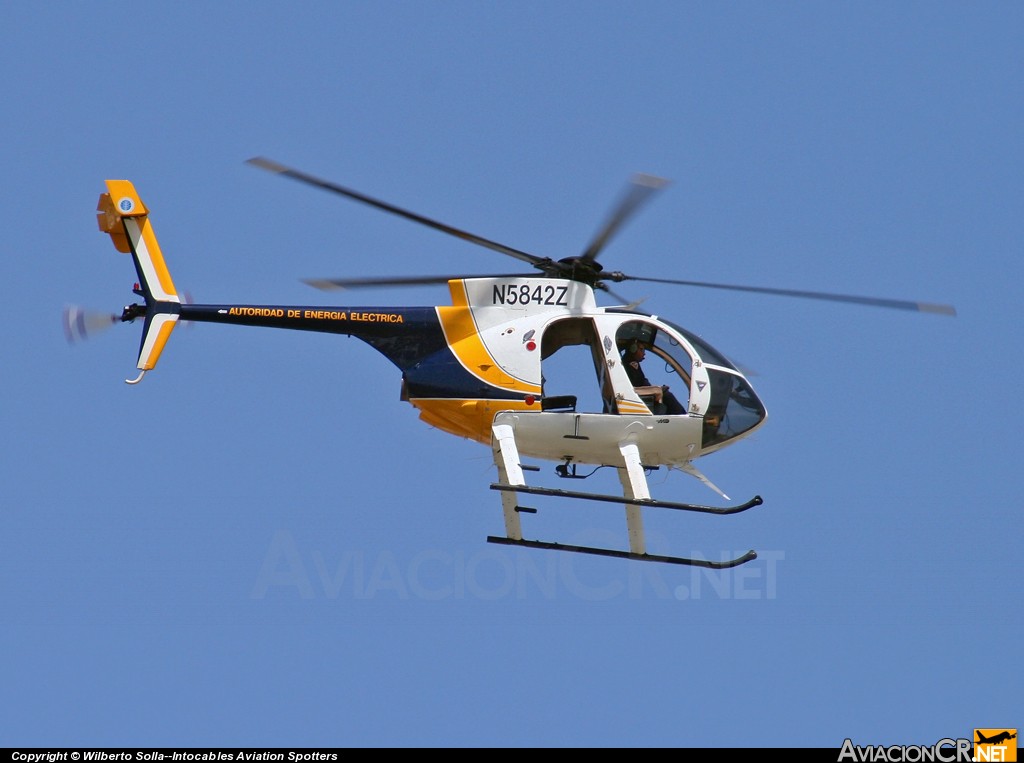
(664, 401)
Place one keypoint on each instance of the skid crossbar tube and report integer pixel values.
(750, 555)
(755, 501)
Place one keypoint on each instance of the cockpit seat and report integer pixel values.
(558, 403)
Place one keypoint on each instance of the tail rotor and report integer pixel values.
(81, 324)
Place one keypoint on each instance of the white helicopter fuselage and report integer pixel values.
(518, 324)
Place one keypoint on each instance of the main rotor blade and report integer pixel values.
(899, 304)
(280, 169)
(337, 284)
(623, 301)
(641, 188)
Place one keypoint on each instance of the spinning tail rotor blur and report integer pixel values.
(81, 324)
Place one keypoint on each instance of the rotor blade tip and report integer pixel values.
(322, 283)
(266, 164)
(928, 307)
(651, 181)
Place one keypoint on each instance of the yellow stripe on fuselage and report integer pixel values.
(628, 406)
(466, 417)
(463, 338)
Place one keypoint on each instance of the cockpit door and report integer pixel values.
(670, 361)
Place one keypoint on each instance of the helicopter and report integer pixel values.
(476, 368)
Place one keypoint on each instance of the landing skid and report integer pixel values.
(750, 555)
(635, 497)
(755, 501)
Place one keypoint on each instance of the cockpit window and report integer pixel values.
(734, 408)
(649, 352)
(707, 353)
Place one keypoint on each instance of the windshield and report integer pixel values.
(734, 408)
(707, 353)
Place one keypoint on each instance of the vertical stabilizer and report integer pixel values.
(122, 215)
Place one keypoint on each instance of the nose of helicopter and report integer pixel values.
(735, 409)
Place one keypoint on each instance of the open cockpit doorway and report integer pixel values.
(573, 366)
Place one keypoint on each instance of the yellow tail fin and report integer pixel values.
(122, 215)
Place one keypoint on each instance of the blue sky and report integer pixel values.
(261, 545)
